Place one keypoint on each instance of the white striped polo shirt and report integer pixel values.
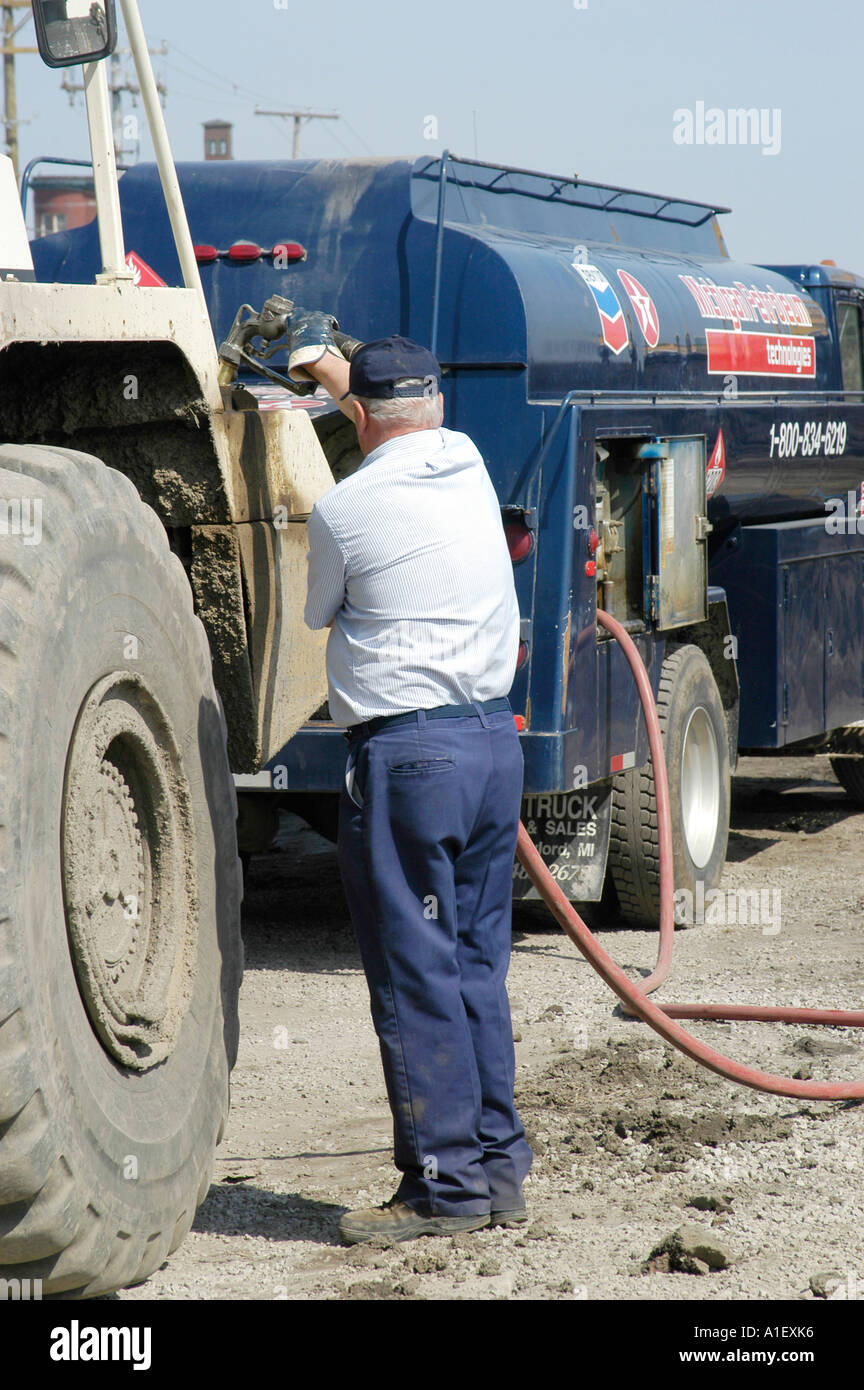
(408, 558)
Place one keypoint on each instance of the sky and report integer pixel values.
(618, 91)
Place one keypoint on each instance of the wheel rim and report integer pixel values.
(129, 872)
(700, 787)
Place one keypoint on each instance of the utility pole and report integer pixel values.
(118, 83)
(299, 117)
(10, 49)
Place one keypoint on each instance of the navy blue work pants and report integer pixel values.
(427, 863)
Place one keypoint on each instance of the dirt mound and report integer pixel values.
(568, 1113)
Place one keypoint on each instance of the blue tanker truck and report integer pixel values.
(674, 436)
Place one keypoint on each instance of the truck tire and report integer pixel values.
(320, 810)
(693, 726)
(120, 889)
(849, 772)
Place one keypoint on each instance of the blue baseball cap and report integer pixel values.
(392, 368)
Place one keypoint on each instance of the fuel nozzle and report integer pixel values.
(273, 319)
(270, 325)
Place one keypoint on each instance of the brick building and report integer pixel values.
(218, 140)
(61, 201)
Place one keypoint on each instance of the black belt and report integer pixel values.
(371, 726)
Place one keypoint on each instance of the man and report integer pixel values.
(409, 568)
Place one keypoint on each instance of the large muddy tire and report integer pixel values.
(695, 740)
(120, 955)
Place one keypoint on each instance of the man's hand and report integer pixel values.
(310, 338)
(313, 354)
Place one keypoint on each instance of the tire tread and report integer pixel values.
(49, 1226)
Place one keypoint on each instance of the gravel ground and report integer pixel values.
(632, 1140)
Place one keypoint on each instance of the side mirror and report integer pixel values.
(75, 31)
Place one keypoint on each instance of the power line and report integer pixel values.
(350, 127)
(205, 96)
(193, 77)
(339, 142)
(207, 100)
(222, 81)
(221, 78)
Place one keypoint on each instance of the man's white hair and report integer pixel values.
(414, 412)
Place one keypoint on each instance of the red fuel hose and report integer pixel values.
(633, 994)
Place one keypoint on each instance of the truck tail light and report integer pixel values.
(520, 540)
(245, 251)
(288, 251)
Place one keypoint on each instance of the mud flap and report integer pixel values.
(571, 831)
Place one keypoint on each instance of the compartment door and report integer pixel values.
(678, 585)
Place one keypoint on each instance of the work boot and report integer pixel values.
(396, 1221)
(514, 1214)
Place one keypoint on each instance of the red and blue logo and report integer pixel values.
(612, 320)
(644, 307)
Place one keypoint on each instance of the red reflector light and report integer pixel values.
(519, 721)
(244, 251)
(522, 656)
(288, 251)
(206, 255)
(593, 541)
(518, 540)
(590, 568)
